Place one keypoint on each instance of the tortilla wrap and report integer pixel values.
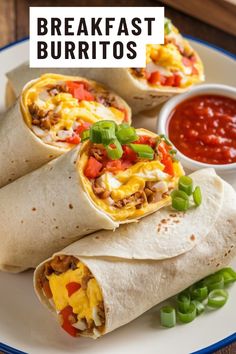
(23, 144)
(132, 282)
(60, 201)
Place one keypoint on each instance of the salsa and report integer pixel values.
(204, 129)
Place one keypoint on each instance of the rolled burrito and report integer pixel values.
(81, 192)
(171, 68)
(106, 280)
(48, 121)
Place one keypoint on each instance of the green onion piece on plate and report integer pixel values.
(189, 315)
(199, 293)
(103, 132)
(217, 298)
(179, 194)
(183, 301)
(166, 140)
(200, 308)
(144, 151)
(114, 150)
(168, 316)
(186, 184)
(214, 281)
(85, 135)
(197, 196)
(180, 200)
(228, 274)
(126, 134)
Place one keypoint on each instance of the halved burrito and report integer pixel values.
(48, 120)
(171, 68)
(105, 281)
(83, 191)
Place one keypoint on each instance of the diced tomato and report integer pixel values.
(81, 128)
(163, 80)
(93, 168)
(72, 288)
(166, 159)
(114, 165)
(74, 139)
(66, 314)
(126, 164)
(186, 61)
(79, 91)
(169, 80)
(155, 78)
(47, 289)
(177, 80)
(67, 326)
(129, 154)
(147, 140)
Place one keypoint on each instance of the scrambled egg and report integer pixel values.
(68, 108)
(82, 301)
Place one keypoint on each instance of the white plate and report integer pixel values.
(27, 326)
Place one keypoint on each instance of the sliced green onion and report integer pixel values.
(85, 135)
(167, 26)
(228, 274)
(200, 308)
(189, 315)
(197, 196)
(179, 194)
(168, 316)
(126, 134)
(199, 293)
(103, 132)
(186, 184)
(166, 140)
(144, 151)
(173, 152)
(217, 298)
(183, 301)
(180, 200)
(114, 153)
(214, 281)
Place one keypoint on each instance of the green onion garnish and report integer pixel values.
(179, 194)
(228, 274)
(197, 196)
(183, 301)
(189, 315)
(180, 200)
(186, 184)
(199, 293)
(168, 316)
(166, 140)
(144, 151)
(217, 298)
(85, 135)
(167, 26)
(214, 281)
(200, 308)
(103, 132)
(115, 152)
(126, 134)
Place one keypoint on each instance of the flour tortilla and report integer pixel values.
(21, 150)
(131, 286)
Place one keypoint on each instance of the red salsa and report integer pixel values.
(204, 129)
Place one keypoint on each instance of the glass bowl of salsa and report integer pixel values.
(201, 124)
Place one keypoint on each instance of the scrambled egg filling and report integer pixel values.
(125, 183)
(82, 301)
(68, 111)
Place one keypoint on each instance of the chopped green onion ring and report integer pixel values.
(186, 184)
(85, 135)
(168, 316)
(103, 132)
(217, 298)
(114, 153)
(180, 204)
(200, 308)
(179, 194)
(197, 196)
(144, 151)
(126, 134)
(214, 281)
(199, 292)
(189, 315)
(228, 274)
(183, 301)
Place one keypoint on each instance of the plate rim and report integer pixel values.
(215, 346)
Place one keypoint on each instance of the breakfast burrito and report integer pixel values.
(106, 280)
(92, 187)
(49, 118)
(171, 68)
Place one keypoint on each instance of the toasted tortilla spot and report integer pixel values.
(192, 237)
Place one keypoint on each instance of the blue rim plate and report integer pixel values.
(212, 348)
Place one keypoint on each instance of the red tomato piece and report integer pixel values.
(78, 90)
(170, 80)
(93, 168)
(177, 80)
(114, 166)
(186, 61)
(74, 139)
(81, 128)
(166, 159)
(155, 78)
(129, 154)
(147, 140)
(72, 288)
(67, 326)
